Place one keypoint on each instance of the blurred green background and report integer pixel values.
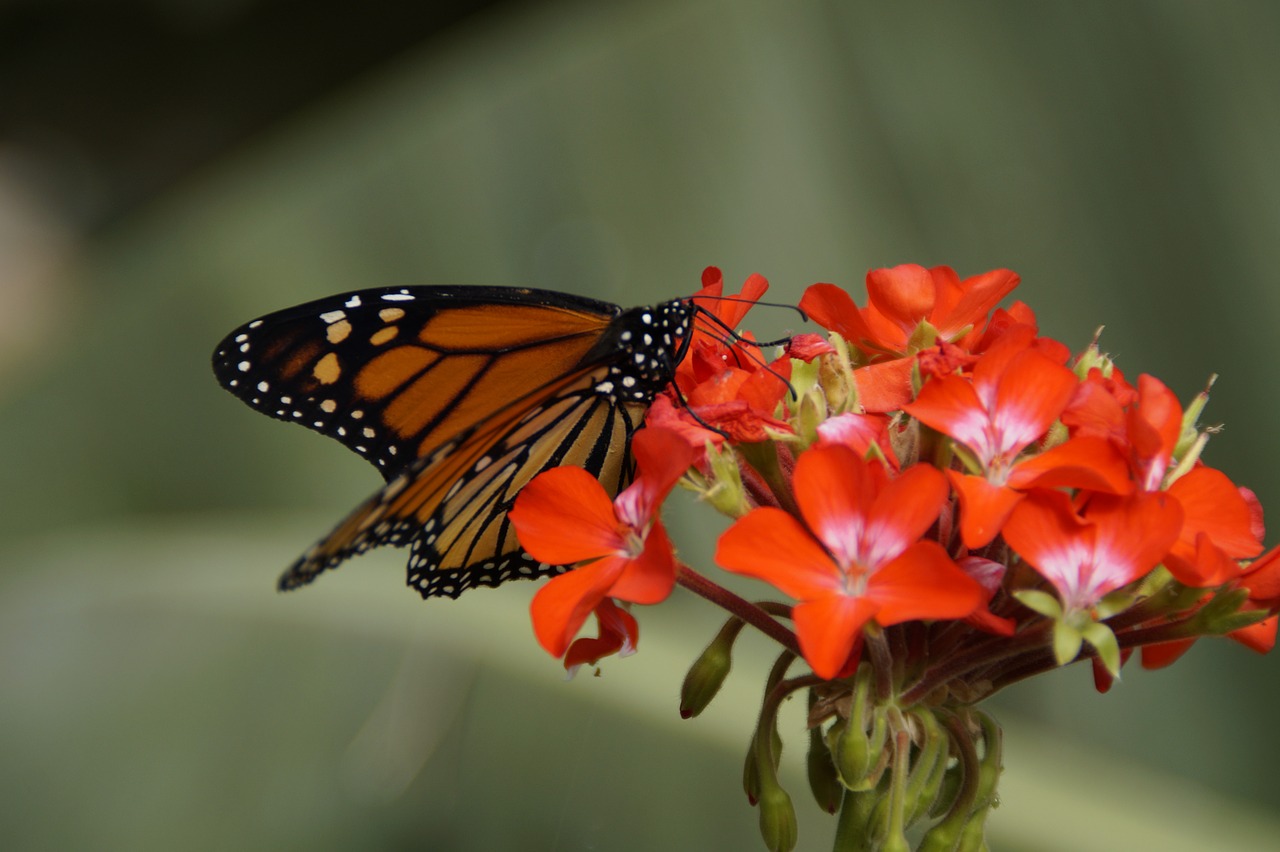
(172, 168)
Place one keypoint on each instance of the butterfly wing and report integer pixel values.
(483, 391)
(394, 374)
(452, 506)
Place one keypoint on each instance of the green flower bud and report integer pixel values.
(992, 760)
(835, 377)
(707, 674)
(824, 781)
(1093, 357)
(751, 783)
(948, 789)
(810, 412)
(725, 492)
(777, 819)
(927, 770)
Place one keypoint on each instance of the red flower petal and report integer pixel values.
(565, 516)
(1262, 579)
(563, 604)
(770, 545)
(833, 309)
(618, 634)
(662, 457)
(1047, 533)
(1083, 462)
(903, 511)
(1163, 654)
(1213, 505)
(806, 347)
(1154, 426)
(664, 414)
(923, 583)
(903, 294)
(1030, 395)
(834, 490)
(950, 404)
(1260, 637)
(828, 629)
(1133, 534)
(980, 294)
(885, 386)
(984, 508)
(858, 432)
(650, 577)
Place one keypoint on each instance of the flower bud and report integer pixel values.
(777, 819)
(725, 492)
(824, 781)
(835, 376)
(857, 755)
(1094, 358)
(927, 770)
(708, 672)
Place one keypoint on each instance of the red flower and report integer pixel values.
(1145, 424)
(709, 353)
(856, 557)
(1118, 540)
(564, 516)
(899, 300)
(1014, 396)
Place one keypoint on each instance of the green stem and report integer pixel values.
(853, 829)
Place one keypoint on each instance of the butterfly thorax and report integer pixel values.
(647, 343)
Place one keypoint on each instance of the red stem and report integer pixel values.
(739, 607)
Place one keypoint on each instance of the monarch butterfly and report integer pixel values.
(459, 396)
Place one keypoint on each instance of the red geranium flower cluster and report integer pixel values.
(949, 501)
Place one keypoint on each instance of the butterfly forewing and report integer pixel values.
(395, 373)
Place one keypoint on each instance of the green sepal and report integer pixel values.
(1041, 602)
(1113, 604)
(1100, 637)
(1223, 613)
(1067, 639)
(923, 337)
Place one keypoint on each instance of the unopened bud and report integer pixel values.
(708, 672)
(777, 819)
(824, 782)
(725, 492)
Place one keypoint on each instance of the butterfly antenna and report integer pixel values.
(804, 317)
(733, 335)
